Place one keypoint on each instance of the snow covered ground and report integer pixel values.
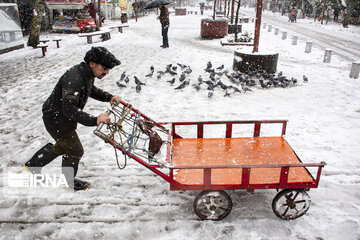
(324, 125)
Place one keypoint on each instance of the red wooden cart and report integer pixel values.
(215, 164)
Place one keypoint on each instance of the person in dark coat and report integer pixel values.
(165, 23)
(63, 110)
(202, 7)
(336, 14)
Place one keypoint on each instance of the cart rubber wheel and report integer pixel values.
(212, 205)
(291, 203)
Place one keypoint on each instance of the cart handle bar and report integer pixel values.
(98, 132)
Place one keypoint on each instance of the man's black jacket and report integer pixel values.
(64, 107)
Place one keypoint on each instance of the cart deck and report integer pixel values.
(236, 151)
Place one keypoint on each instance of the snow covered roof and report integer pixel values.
(6, 22)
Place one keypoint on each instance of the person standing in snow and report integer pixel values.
(202, 7)
(292, 15)
(336, 14)
(165, 23)
(63, 110)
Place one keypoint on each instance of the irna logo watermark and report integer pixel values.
(37, 180)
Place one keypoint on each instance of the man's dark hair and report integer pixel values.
(101, 56)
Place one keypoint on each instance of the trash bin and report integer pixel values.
(124, 18)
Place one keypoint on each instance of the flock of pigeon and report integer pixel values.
(239, 82)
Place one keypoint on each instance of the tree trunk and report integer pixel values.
(350, 7)
(38, 11)
(214, 12)
(236, 20)
(303, 9)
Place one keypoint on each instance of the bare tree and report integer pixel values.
(236, 20)
(214, 12)
(38, 11)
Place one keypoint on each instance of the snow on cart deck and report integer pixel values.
(236, 151)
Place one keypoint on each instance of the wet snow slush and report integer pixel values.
(324, 125)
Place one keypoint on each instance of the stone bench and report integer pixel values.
(119, 27)
(44, 41)
(105, 35)
(57, 40)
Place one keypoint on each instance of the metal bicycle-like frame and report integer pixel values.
(213, 203)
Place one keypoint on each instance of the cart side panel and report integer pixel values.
(228, 127)
(237, 151)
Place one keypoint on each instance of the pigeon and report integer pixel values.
(276, 83)
(152, 68)
(174, 68)
(284, 84)
(210, 94)
(181, 65)
(245, 88)
(280, 74)
(212, 77)
(160, 72)
(219, 73)
(294, 80)
(211, 87)
(182, 77)
(209, 70)
(123, 75)
(200, 79)
(138, 88)
(171, 81)
(210, 84)
(269, 83)
(168, 67)
(251, 83)
(127, 79)
(221, 67)
(222, 85)
(242, 79)
(188, 70)
(196, 86)
(231, 78)
(168, 70)
(228, 92)
(120, 85)
(209, 65)
(262, 84)
(149, 74)
(158, 76)
(183, 85)
(251, 73)
(236, 89)
(305, 78)
(138, 82)
(265, 74)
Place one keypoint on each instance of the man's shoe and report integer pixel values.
(81, 185)
(164, 46)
